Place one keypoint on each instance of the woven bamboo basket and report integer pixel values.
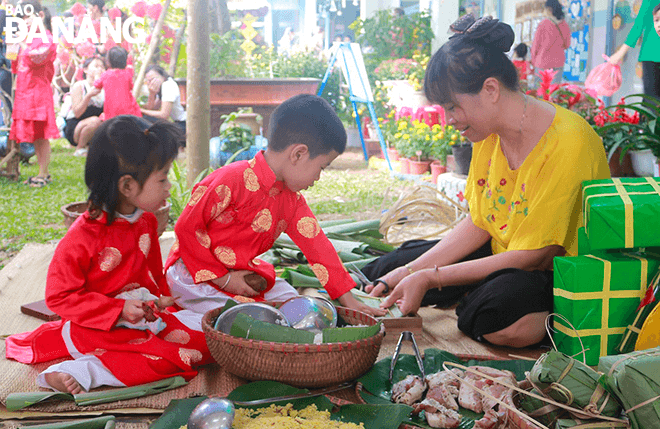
(299, 365)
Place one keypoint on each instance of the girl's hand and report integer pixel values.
(393, 278)
(132, 311)
(408, 294)
(348, 300)
(234, 282)
(94, 91)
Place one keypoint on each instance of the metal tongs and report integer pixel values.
(408, 336)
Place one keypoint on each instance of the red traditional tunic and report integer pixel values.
(236, 213)
(92, 264)
(119, 100)
(34, 113)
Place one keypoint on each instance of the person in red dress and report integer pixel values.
(238, 211)
(33, 116)
(118, 84)
(106, 275)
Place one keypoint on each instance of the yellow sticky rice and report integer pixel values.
(287, 418)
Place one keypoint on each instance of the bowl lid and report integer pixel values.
(257, 310)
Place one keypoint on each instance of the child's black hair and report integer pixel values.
(475, 53)
(117, 57)
(656, 9)
(309, 120)
(124, 145)
(37, 8)
(521, 51)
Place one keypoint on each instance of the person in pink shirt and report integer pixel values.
(118, 84)
(552, 38)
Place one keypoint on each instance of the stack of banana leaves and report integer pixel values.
(357, 243)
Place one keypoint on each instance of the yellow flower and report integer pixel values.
(441, 135)
(397, 135)
(406, 136)
(403, 125)
(436, 127)
(428, 137)
(454, 137)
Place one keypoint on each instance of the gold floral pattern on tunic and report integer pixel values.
(243, 299)
(251, 180)
(178, 336)
(262, 221)
(308, 227)
(109, 258)
(273, 192)
(190, 356)
(145, 244)
(225, 255)
(203, 238)
(174, 247)
(224, 197)
(197, 195)
(256, 261)
(204, 276)
(151, 276)
(97, 352)
(152, 357)
(252, 162)
(136, 341)
(280, 228)
(225, 218)
(128, 287)
(321, 273)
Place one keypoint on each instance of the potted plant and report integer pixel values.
(637, 133)
(461, 149)
(439, 150)
(233, 143)
(421, 147)
(389, 128)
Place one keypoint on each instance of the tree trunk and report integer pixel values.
(198, 87)
(219, 16)
(155, 37)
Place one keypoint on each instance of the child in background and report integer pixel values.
(236, 213)
(33, 117)
(107, 273)
(656, 18)
(519, 60)
(118, 84)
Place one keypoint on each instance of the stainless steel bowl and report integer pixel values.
(310, 313)
(212, 413)
(257, 310)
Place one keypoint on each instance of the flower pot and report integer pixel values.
(373, 147)
(437, 168)
(251, 121)
(462, 156)
(405, 165)
(419, 167)
(643, 162)
(451, 163)
(71, 212)
(621, 169)
(393, 154)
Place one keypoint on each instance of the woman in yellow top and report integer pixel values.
(523, 188)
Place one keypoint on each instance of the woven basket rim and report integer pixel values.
(295, 347)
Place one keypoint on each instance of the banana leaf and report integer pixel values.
(297, 279)
(376, 381)
(105, 422)
(270, 257)
(20, 400)
(340, 335)
(354, 227)
(359, 264)
(248, 327)
(290, 254)
(389, 416)
(326, 223)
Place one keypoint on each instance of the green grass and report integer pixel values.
(33, 214)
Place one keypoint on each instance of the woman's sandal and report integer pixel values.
(38, 182)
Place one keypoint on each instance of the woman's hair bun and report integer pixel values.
(485, 30)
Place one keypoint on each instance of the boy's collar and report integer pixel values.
(265, 174)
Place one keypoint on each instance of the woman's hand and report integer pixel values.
(618, 56)
(154, 84)
(392, 279)
(234, 282)
(94, 92)
(132, 311)
(408, 294)
(348, 300)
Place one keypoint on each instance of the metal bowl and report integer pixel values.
(310, 313)
(257, 310)
(212, 413)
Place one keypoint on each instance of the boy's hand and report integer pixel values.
(348, 300)
(132, 311)
(234, 282)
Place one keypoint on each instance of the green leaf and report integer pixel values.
(247, 327)
(374, 416)
(340, 335)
